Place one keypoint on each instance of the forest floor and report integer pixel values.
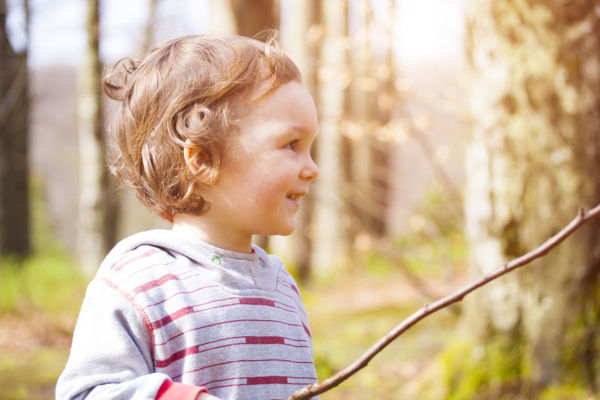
(348, 314)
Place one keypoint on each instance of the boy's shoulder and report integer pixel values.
(138, 260)
(140, 248)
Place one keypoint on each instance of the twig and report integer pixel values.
(329, 383)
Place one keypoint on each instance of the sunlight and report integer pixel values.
(429, 29)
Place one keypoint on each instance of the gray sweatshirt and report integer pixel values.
(167, 307)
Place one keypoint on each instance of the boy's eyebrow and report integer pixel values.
(299, 128)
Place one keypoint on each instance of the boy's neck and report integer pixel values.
(201, 228)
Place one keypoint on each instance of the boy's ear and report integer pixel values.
(192, 153)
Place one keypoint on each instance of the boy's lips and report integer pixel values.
(295, 196)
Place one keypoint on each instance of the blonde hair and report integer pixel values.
(190, 88)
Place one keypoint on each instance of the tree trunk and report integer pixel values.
(328, 244)
(532, 163)
(358, 138)
(384, 70)
(149, 28)
(14, 157)
(253, 16)
(93, 199)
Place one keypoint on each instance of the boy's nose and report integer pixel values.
(310, 172)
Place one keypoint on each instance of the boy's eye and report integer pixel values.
(292, 145)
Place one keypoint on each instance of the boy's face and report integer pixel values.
(267, 166)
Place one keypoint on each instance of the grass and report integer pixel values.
(39, 300)
(46, 281)
(344, 330)
(30, 375)
(40, 296)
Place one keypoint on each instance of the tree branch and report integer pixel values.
(329, 383)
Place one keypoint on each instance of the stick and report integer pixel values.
(329, 383)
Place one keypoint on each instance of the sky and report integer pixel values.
(58, 27)
(426, 30)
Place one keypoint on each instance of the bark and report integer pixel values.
(533, 158)
(14, 154)
(94, 227)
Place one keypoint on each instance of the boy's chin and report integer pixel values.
(283, 231)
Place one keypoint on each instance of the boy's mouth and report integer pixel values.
(296, 196)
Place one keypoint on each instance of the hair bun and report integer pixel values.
(115, 81)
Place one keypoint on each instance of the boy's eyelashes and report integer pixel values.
(292, 145)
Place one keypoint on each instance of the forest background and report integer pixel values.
(455, 135)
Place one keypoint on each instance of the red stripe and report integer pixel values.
(141, 270)
(295, 300)
(118, 267)
(192, 309)
(172, 317)
(267, 380)
(180, 293)
(223, 323)
(178, 355)
(160, 281)
(306, 330)
(240, 361)
(294, 288)
(153, 284)
(257, 301)
(264, 340)
(262, 380)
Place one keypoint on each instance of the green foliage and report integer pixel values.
(471, 371)
(48, 280)
(44, 281)
(436, 242)
(565, 393)
(30, 376)
(377, 264)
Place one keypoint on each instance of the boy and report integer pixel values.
(215, 136)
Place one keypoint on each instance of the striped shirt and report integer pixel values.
(167, 306)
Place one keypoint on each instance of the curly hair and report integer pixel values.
(190, 89)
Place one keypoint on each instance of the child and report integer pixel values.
(215, 135)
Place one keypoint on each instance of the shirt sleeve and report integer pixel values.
(111, 353)
(178, 391)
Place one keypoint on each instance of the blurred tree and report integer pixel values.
(253, 16)
(533, 161)
(383, 69)
(368, 119)
(334, 77)
(299, 39)
(14, 126)
(150, 23)
(357, 139)
(95, 229)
